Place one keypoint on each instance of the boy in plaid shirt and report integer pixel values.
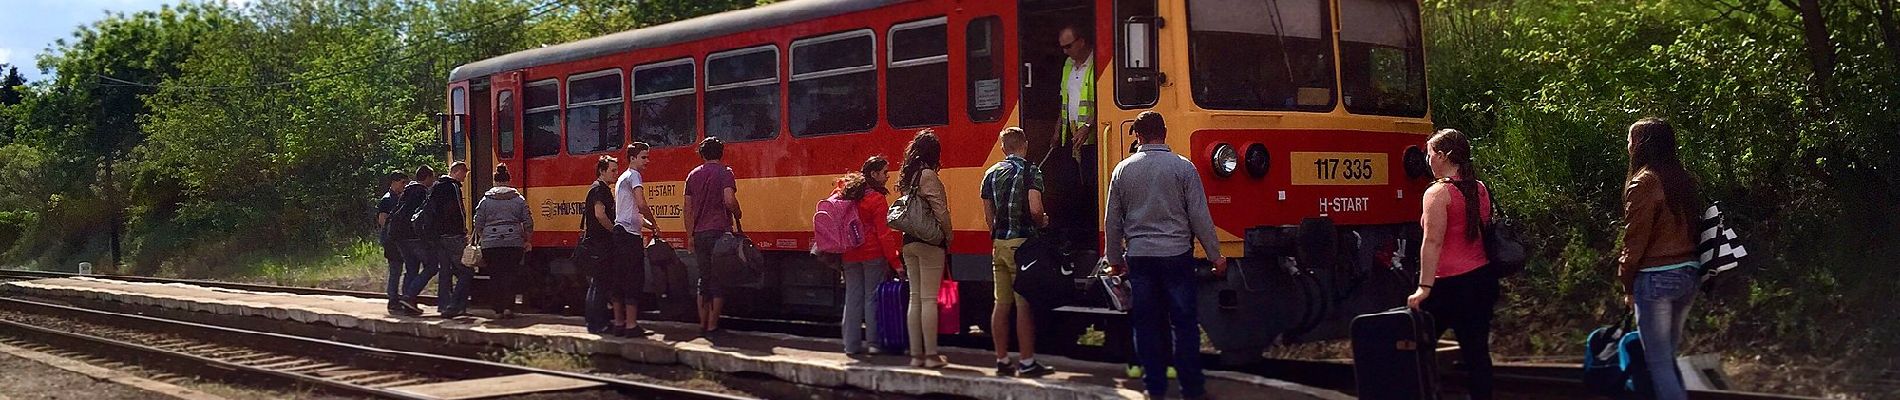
(1012, 204)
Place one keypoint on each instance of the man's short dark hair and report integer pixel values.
(712, 148)
(1149, 126)
(394, 176)
(1085, 35)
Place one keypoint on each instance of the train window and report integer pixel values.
(541, 121)
(742, 94)
(665, 112)
(833, 87)
(1136, 86)
(505, 124)
(1240, 60)
(458, 132)
(1382, 60)
(595, 119)
(918, 78)
(984, 69)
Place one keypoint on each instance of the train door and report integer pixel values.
(1040, 41)
(480, 148)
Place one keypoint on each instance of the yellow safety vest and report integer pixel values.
(1087, 105)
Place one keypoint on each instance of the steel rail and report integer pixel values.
(337, 352)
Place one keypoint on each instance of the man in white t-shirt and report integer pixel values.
(631, 215)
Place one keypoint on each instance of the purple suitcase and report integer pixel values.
(893, 302)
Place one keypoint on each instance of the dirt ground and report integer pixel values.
(31, 380)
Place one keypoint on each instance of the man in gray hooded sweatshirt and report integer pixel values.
(503, 227)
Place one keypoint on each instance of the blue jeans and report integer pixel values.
(418, 259)
(1164, 292)
(1662, 306)
(451, 289)
(860, 301)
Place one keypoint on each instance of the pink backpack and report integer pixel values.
(835, 227)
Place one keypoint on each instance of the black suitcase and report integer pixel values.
(1392, 355)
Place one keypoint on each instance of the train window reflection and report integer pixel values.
(1261, 54)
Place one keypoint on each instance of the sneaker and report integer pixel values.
(1005, 368)
(1034, 369)
(1134, 372)
(410, 307)
(634, 332)
(873, 350)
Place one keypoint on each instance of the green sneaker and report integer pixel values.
(1134, 372)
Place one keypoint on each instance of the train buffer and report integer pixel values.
(802, 360)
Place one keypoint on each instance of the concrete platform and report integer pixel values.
(810, 361)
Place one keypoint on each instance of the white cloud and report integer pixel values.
(6, 55)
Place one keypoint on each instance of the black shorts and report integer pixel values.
(625, 275)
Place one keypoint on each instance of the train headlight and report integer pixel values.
(1258, 160)
(1225, 160)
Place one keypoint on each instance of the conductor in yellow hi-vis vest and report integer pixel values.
(1077, 126)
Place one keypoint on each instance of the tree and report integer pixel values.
(11, 86)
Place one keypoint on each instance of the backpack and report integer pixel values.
(422, 219)
(400, 223)
(835, 226)
(1613, 365)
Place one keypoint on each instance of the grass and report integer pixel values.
(355, 266)
(543, 357)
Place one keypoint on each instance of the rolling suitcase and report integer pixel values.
(893, 302)
(1392, 355)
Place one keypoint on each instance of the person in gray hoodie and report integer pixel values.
(503, 228)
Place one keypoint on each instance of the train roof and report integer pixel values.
(771, 15)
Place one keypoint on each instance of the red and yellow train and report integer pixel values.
(1305, 117)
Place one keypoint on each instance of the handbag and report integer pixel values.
(1118, 292)
(472, 256)
(1503, 246)
(911, 215)
(949, 312)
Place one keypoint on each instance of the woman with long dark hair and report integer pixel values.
(925, 260)
(1451, 285)
(1658, 268)
(871, 262)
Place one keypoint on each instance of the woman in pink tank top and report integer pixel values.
(1452, 284)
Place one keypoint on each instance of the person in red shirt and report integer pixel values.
(870, 263)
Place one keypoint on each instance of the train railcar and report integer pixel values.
(1305, 118)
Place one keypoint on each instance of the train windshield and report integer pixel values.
(1382, 59)
(1261, 54)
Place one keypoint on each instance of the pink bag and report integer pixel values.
(835, 226)
(948, 312)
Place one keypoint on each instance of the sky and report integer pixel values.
(28, 27)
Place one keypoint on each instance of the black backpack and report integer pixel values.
(401, 223)
(422, 219)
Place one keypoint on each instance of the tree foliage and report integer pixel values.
(213, 129)
(1798, 147)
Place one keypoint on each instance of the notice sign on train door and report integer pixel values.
(1338, 168)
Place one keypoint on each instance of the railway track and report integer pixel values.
(1539, 380)
(176, 349)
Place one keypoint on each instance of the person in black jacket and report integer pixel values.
(385, 207)
(443, 224)
(417, 258)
